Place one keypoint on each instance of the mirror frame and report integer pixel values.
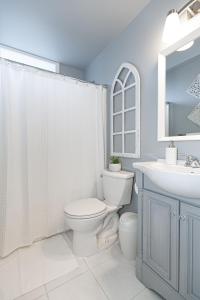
(193, 35)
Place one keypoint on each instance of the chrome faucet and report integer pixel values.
(192, 161)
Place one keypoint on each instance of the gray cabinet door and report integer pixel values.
(190, 252)
(161, 236)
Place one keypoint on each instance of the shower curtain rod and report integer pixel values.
(55, 73)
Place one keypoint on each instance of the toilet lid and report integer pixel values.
(85, 207)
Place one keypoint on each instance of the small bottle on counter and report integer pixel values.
(171, 154)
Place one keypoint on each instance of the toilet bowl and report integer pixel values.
(94, 222)
(85, 217)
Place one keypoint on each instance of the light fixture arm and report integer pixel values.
(185, 6)
(182, 8)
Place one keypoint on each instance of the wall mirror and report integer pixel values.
(179, 90)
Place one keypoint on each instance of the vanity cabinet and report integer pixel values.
(168, 258)
(190, 252)
(160, 235)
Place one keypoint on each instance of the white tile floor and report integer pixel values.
(105, 276)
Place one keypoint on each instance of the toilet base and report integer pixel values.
(84, 244)
(89, 243)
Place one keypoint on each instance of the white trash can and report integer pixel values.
(128, 234)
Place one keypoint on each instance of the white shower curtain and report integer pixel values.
(52, 150)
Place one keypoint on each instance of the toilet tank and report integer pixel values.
(117, 187)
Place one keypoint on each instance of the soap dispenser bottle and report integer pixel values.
(171, 154)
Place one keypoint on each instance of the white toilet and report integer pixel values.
(95, 222)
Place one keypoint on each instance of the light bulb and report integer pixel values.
(172, 27)
(186, 47)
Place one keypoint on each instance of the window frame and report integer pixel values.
(131, 69)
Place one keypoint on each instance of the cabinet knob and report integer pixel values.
(182, 218)
(173, 213)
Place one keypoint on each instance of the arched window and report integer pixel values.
(125, 112)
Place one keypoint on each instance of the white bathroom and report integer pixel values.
(99, 150)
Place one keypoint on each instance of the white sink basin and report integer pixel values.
(176, 179)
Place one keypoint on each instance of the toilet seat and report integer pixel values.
(85, 208)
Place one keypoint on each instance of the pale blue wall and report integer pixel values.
(140, 44)
(72, 71)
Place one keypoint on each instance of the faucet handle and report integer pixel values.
(188, 160)
(192, 161)
(195, 163)
(190, 157)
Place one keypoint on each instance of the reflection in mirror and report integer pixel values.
(182, 107)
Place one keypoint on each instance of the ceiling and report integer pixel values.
(72, 32)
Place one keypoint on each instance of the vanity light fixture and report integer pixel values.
(176, 24)
(172, 27)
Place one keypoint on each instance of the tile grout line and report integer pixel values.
(96, 265)
(46, 292)
(88, 268)
(67, 240)
(138, 294)
(45, 288)
(19, 271)
(104, 292)
(41, 296)
(69, 280)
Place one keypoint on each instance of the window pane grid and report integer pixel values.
(130, 109)
(123, 122)
(125, 89)
(125, 142)
(125, 110)
(117, 113)
(129, 131)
